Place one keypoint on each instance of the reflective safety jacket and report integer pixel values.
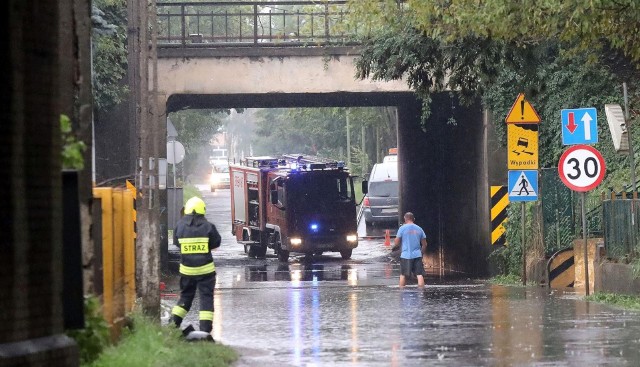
(196, 237)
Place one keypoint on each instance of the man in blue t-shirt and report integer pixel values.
(414, 245)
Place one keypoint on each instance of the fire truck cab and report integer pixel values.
(293, 203)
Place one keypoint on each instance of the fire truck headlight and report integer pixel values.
(296, 241)
(352, 238)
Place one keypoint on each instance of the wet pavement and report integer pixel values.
(327, 311)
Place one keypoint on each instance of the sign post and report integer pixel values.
(582, 168)
(522, 160)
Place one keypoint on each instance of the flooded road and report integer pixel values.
(328, 311)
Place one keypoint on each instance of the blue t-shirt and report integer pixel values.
(410, 236)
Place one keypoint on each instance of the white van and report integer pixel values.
(380, 206)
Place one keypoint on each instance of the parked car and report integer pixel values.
(219, 178)
(380, 205)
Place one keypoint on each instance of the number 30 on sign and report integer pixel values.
(581, 168)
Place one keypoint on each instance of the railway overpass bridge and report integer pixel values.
(293, 54)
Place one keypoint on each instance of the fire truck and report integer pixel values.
(293, 203)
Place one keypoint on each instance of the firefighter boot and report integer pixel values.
(188, 330)
(206, 325)
(177, 320)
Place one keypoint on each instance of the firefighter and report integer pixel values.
(196, 237)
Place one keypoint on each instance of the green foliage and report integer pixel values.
(635, 267)
(72, 149)
(323, 131)
(580, 26)
(497, 50)
(189, 191)
(620, 300)
(195, 128)
(109, 44)
(400, 51)
(152, 345)
(94, 338)
(509, 279)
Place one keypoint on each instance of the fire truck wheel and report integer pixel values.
(283, 255)
(257, 251)
(346, 254)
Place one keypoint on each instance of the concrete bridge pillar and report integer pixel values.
(443, 181)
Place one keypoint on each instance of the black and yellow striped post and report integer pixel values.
(561, 269)
(499, 205)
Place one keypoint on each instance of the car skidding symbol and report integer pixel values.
(522, 142)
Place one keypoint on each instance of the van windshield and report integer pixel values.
(383, 188)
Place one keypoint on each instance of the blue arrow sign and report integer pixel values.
(523, 185)
(579, 126)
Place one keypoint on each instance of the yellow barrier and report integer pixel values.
(118, 253)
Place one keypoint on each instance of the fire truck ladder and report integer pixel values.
(313, 162)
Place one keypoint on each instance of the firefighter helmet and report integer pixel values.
(195, 204)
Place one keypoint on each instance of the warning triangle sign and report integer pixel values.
(523, 188)
(522, 112)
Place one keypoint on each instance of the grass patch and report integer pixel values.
(620, 300)
(153, 345)
(509, 279)
(189, 191)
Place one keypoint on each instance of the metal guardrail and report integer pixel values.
(117, 238)
(254, 24)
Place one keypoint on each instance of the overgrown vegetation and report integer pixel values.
(72, 148)
(195, 128)
(508, 279)
(109, 53)
(150, 344)
(94, 338)
(494, 53)
(189, 191)
(323, 132)
(620, 300)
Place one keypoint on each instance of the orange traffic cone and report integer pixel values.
(387, 238)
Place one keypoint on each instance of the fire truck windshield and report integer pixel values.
(321, 187)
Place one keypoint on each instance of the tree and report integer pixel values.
(492, 49)
(578, 25)
(109, 52)
(322, 131)
(195, 129)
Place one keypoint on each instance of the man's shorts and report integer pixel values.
(408, 266)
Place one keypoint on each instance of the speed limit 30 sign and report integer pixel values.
(581, 168)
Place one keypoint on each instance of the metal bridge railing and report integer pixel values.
(254, 24)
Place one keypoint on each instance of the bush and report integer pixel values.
(150, 344)
(94, 338)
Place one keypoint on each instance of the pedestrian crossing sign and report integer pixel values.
(523, 185)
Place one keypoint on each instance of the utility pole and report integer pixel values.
(348, 140)
(143, 113)
(632, 164)
(364, 152)
(627, 122)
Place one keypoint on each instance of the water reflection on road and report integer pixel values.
(320, 315)
(331, 312)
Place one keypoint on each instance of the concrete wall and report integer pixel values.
(616, 278)
(274, 71)
(443, 182)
